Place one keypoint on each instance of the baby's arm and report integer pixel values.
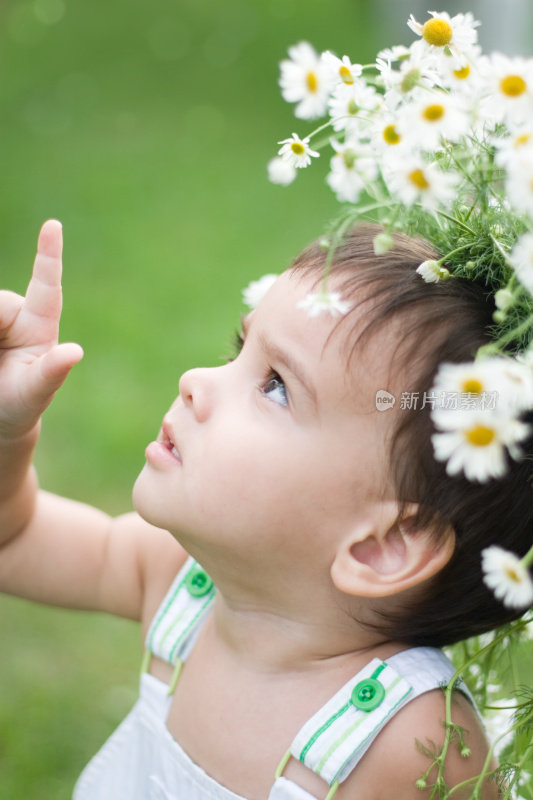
(55, 550)
(400, 755)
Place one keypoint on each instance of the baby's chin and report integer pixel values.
(141, 496)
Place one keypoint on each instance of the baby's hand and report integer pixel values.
(32, 363)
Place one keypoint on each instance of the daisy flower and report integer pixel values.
(297, 151)
(432, 272)
(519, 182)
(507, 576)
(506, 380)
(432, 117)
(458, 33)
(510, 149)
(464, 79)
(475, 443)
(340, 70)
(413, 180)
(281, 171)
(256, 290)
(398, 52)
(419, 70)
(351, 168)
(516, 385)
(304, 81)
(521, 258)
(346, 103)
(508, 84)
(384, 134)
(325, 302)
(473, 378)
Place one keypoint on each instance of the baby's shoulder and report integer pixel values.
(405, 749)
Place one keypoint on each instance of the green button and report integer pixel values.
(368, 694)
(198, 582)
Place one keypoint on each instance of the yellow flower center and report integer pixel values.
(523, 139)
(513, 85)
(312, 81)
(433, 113)
(391, 135)
(298, 148)
(480, 436)
(346, 75)
(419, 179)
(473, 386)
(462, 73)
(512, 574)
(437, 32)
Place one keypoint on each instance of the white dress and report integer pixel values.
(142, 761)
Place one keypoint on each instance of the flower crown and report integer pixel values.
(437, 139)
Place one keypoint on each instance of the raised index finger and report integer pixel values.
(43, 296)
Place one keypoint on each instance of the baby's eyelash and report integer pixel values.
(237, 343)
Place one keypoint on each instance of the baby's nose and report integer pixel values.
(196, 391)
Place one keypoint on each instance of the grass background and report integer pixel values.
(145, 128)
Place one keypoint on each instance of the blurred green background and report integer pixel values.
(145, 128)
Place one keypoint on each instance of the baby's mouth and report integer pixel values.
(169, 444)
(171, 447)
(175, 452)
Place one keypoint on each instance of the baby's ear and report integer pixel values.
(383, 556)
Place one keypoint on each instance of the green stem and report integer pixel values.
(484, 772)
(456, 222)
(469, 781)
(515, 333)
(323, 127)
(339, 233)
(453, 252)
(527, 560)
(511, 649)
(451, 727)
(505, 255)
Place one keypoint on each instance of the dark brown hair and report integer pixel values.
(438, 322)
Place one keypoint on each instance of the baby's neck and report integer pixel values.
(277, 617)
(286, 639)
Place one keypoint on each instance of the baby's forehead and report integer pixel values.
(360, 358)
(362, 333)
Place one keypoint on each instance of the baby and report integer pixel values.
(297, 556)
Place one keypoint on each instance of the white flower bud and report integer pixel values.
(383, 242)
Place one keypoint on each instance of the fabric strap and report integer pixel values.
(178, 622)
(330, 742)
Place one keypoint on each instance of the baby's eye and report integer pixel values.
(275, 390)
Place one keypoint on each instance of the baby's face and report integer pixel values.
(272, 452)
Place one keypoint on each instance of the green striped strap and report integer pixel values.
(334, 739)
(181, 615)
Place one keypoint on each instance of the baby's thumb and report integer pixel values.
(56, 364)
